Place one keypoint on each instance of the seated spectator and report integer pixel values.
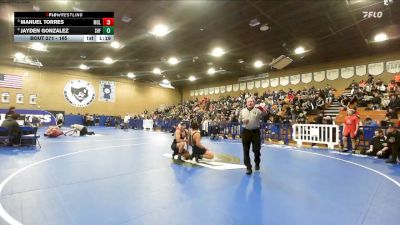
(393, 141)
(378, 145)
(320, 103)
(301, 119)
(391, 114)
(394, 102)
(392, 86)
(370, 123)
(376, 102)
(319, 119)
(14, 130)
(10, 111)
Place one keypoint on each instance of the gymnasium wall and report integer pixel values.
(340, 83)
(131, 96)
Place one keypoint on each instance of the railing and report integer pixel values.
(269, 131)
(316, 133)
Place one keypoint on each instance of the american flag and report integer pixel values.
(10, 81)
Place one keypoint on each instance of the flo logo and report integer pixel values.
(79, 93)
(372, 14)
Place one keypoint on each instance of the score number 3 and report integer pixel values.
(108, 21)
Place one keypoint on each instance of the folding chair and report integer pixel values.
(30, 134)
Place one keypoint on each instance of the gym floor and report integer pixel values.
(122, 177)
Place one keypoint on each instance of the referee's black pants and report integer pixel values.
(251, 137)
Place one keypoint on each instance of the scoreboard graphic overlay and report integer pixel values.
(63, 26)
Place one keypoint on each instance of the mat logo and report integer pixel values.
(79, 93)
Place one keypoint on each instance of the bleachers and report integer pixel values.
(376, 115)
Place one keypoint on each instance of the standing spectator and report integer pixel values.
(126, 121)
(60, 119)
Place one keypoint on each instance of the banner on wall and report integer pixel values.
(32, 99)
(295, 79)
(222, 88)
(201, 91)
(257, 84)
(284, 80)
(332, 74)
(319, 76)
(5, 97)
(46, 117)
(236, 87)
(274, 82)
(79, 93)
(196, 92)
(243, 86)
(393, 66)
(19, 98)
(347, 72)
(361, 70)
(211, 91)
(229, 88)
(216, 90)
(205, 91)
(107, 91)
(306, 78)
(250, 85)
(264, 83)
(191, 92)
(376, 68)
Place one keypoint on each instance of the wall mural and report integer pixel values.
(79, 93)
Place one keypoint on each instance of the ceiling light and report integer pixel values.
(83, 67)
(299, 50)
(211, 71)
(217, 52)
(19, 55)
(258, 64)
(62, 1)
(165, 81)
(131, 75)
(157, 71)
(160, 30)
(173, 61)
(38, 47)
(108, 60)
(380, 37)
(192, 78)
(116, 44)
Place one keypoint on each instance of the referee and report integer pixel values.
(250, 117)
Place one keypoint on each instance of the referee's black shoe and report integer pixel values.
(257, 168)
(249, 171)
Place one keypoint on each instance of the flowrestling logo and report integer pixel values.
(79, 93)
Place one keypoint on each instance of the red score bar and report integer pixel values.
(108, 22)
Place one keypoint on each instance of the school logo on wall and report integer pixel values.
(107, 91)
(79, 93)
